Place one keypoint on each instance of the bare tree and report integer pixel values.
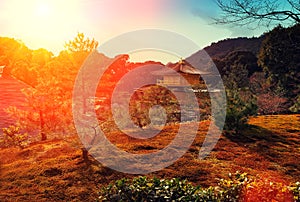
(258, 12)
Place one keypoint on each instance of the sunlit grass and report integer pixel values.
(54, 170)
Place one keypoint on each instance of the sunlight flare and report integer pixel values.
(43, 9)
(43, 23)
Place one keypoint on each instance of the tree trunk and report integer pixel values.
(42, 122)
(85, 155)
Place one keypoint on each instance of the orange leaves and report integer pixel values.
(267, 189)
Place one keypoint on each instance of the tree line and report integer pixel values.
(266, 81)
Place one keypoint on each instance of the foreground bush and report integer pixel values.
(240, 106)
(296, 191)
(269, 191)
(12, 136)
(238, 188)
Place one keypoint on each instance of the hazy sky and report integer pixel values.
(50, 23)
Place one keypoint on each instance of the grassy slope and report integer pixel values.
(54, 171)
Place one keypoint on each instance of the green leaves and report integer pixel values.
(239, 187)
(296, 191)
(144, 189)
(240, 105)
(279, 57)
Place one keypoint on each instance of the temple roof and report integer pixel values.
(182, 66)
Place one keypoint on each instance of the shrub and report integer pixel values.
(237, 188)
(296, 191)
(270, 103)
(230, 190)
(13, 137)
(240, 106)
(296, 107)
(144, 189)
(267, 190)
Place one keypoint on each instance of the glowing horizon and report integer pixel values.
(50, 23)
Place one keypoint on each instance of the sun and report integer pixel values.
(43, 9)
(43, 23)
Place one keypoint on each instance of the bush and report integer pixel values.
(240, 106)
(296, 191)
(13, 137)
(144, 189)
(230, 190)
(267, 190)
(237, 188)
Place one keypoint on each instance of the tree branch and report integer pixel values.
(244, 12)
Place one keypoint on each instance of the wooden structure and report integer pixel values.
(180, 74)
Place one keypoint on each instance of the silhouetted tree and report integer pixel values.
(81, 44)
(264, 13)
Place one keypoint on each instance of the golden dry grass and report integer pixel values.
(54, 171)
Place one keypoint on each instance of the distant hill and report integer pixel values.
(226, 52)
(221, 48)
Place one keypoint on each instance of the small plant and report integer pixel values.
(296, 191)
(230, 190)
(13, 137)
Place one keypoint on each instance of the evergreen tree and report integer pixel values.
(279, 58)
